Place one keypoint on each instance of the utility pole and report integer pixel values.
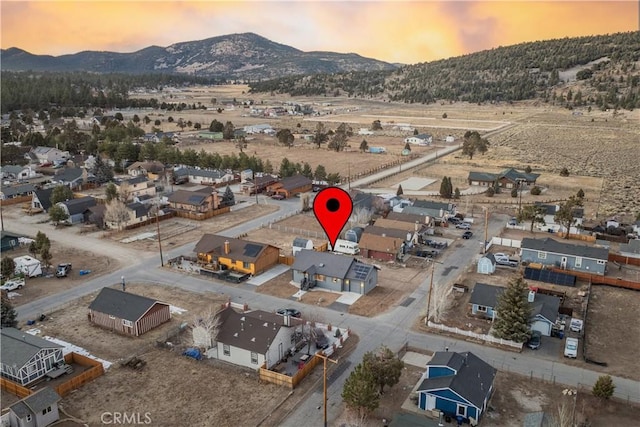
(433, 270)
(158, 233)
(349, 176)
(486, 230)
(324, 399)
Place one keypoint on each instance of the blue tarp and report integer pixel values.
(193, 353)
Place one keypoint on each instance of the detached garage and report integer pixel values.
(127, 313)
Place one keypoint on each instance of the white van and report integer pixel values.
(346, 247)
(571, 348)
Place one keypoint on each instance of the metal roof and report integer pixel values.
(123, 305)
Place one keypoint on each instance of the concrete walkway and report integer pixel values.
(263, 278)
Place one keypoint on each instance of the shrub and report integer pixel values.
(604, 387)
(514, 192)
(490, 192)
(536, 191)
(564, 172)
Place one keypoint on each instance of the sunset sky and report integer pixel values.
(393, 31)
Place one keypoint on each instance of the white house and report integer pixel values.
(136, 187)
(254, 338)
(49, 154)
(204, 176)
(420, 139)
(253, 129)
(17, 172)
(27, 358)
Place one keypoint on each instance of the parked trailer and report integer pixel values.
(346, 247)
(28, 266)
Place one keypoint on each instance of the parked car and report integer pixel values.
(278, 197)
(321, 339)
(467, 235)
(535, 340)
(454, 220)
(507, 262)
(571, 348)
(513, 221)
(12, 285)
(427, 253)
(463, 225)
(288, 312)
(576, 325)
(63, 269)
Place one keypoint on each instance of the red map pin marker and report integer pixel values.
(332, 207)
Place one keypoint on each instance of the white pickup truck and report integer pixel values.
(12, 284)
(571, 348)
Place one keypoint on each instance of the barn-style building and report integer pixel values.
(127, 313)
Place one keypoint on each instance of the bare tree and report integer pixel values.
(125, 192)
(359, 216)
(440, 301)
(205, 329)
(116, 213)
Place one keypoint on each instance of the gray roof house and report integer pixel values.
(13, 191)
(27, 358)
(39, 409)
(338, 273)
(631, 249)
(127, 313)
(41, 199)
(544, 308)
(458, 384)
(254, 338)
(77, 208)
(588, 259)
(73, 177)
(432, 209)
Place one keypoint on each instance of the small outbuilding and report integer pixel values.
(39, 409)
(487, 264)
(127, 313)
(299, 244)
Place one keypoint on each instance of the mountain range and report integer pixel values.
(235, 56)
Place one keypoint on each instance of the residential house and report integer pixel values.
(9, 240)
(49, 155)
(544, 308)
(337, 273)
(204, 176)
(550, 222)
(385, 248)
(27, 358)
(77, 209)
(508, 178)
(261, 128)
(299, 244)
(41, 199)
(137, 212)
(630, 250)
(437, 210)
(136, 187)
(457, 384)
(362, 201)
(403, 204)
(291, 186)
(200, 201)
(159, 136)
(38, 409)
(407, 227)
(253, 339)
(407, 235)
(17, 172)
(411, 218)
(73, 177)
(258, 182)
(487, 264)
(15, 191)
(567, 256)
(245, 175)
(127, 313)
(420, 139)
(235, 254)
(151, 169)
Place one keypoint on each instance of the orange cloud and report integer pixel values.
(393, 31)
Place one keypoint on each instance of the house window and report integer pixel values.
(127, 323)
(46, 410)
(28, 417)
(542, 255)
(462, 410)
(601, 262)
(320, 277)
(246, 265)
(254, 358)
(578, 262)
(226, 350)
(482, 309)
(335, 280)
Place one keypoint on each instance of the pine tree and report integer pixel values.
(102, 171)
(7, 266)
(456, 193)
(228, 199)
(60, 194)
(360, 392)
(9, 315)
(445, 188)
(513, 312)
(385, 367)
(400, 191)
(604, 387)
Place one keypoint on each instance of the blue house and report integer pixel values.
(458, 384)
(567, 256)
(544, 308)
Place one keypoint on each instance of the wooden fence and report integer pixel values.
(287, 260)
(16, 200)
(96, 369)
(596, 279)
(286, 380)
(14, 388)
(621, 259)
(151, 220)
(199, 216)
(483, 337)
(298, 376)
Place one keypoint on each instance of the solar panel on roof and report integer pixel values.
(361, 271)
(195, 199)
(252, 250)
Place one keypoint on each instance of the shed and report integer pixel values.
(299, 244)
(487, 264)
(9, 240)
(127, 313)
(39, 409)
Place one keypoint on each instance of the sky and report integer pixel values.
(394, 31)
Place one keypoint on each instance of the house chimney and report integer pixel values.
(227, 247)
(532, 296)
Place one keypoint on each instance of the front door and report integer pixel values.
(563, 263)
(431, 402)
